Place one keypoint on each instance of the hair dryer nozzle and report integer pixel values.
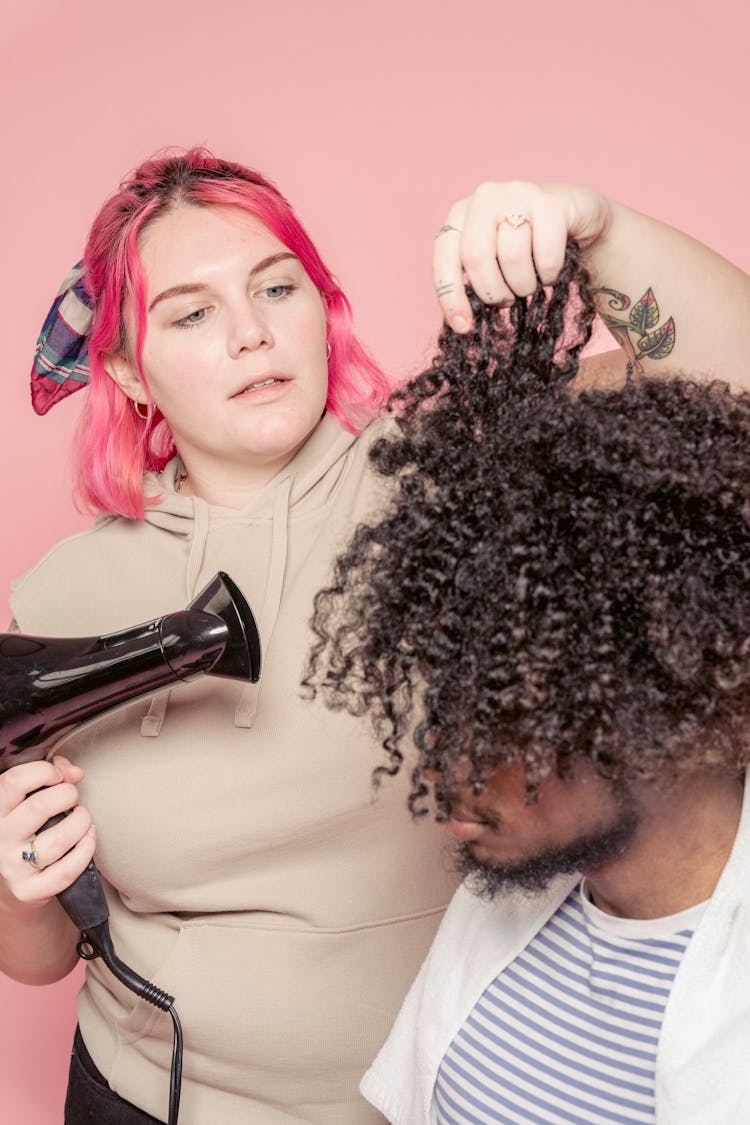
(241, 656)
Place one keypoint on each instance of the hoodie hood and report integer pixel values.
(322, 451)
(294, 488)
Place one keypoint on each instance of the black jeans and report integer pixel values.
(90, 1101)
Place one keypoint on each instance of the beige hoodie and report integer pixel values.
(251, 872)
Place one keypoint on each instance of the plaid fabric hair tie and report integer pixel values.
(60, 360)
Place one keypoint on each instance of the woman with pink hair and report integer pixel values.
(247, 868)
(227, 426)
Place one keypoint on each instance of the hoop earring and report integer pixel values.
(136, 405)
(328, 349)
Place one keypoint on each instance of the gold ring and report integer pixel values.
(30, 855)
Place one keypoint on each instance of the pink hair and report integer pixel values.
(113, 445)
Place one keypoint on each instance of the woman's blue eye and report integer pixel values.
(192, 318)
(277, 292)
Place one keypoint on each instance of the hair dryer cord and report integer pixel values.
(96, 942)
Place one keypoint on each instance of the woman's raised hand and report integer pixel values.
(505, 236)
(29, 795)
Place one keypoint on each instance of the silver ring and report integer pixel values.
(515, 219)
(445, 228)
(30, 855)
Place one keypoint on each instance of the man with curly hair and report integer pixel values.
(556, 611)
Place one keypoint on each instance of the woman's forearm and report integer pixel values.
(672, 303)
(37, 943)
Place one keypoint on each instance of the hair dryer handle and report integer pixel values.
(83, 900)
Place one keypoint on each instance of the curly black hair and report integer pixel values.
(560, 574)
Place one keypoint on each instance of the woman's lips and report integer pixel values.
(261, 384)
(269, 385)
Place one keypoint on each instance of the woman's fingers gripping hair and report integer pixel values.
(503, 240)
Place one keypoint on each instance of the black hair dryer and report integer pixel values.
(50, 686)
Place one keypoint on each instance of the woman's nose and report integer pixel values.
(248, 330)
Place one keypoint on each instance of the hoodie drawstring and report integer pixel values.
(247, 707)
(153, 720)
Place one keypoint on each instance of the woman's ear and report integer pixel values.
(119, 368)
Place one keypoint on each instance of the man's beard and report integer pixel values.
(534, 874)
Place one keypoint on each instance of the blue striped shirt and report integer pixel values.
(568, 1032)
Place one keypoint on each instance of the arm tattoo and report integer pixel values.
(640, 336)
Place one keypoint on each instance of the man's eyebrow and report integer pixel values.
(181, 290)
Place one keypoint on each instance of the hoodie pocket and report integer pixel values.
(266, 1010)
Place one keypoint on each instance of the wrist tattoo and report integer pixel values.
(640, 336)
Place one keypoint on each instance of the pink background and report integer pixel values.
(373, 119)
